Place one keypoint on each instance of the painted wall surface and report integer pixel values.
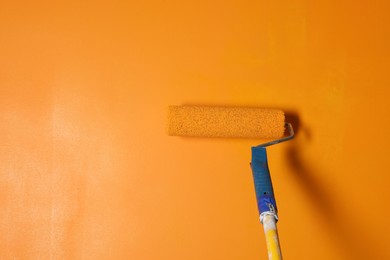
(88, 172)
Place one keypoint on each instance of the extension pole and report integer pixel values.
(271, 237)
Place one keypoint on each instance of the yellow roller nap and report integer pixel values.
(209, 121)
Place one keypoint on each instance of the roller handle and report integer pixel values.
(263, 186)
(266, 201)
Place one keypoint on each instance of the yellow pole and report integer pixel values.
(271, 237)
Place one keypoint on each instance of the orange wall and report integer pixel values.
(87, 171)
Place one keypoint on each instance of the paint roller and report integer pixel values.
(241, 122)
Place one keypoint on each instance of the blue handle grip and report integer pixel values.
(263, 186)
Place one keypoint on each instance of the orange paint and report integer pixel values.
(88, 172)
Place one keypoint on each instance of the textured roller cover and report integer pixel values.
(209, 121)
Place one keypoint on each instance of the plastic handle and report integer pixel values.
(263, 186)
